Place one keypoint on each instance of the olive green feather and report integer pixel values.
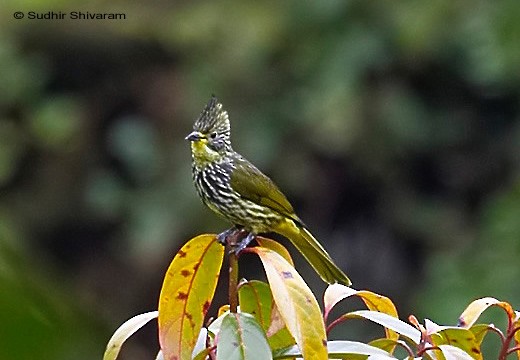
(250, 183)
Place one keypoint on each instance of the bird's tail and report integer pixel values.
(312, 250)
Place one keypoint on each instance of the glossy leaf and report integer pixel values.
(477, 307)
(200, 345)
(297, 305)
(389, 322)
(454, 353)
(214, 327)
(337, 292)
(241, 337)
(340, 349)
(127, 329)
(187, 292)
(275, 246)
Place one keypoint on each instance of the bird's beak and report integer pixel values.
(194, 136)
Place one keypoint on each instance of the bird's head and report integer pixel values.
(210, 138)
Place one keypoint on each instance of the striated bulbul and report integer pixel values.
(235, 189)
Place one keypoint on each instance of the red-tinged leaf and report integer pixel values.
(477, 307)
(127, 329)
(337, 292)
(187, 292)
(275, 246)
(454, 353)
(297, 305)
(277, 323)
(241, 338)
(389, 322)
(333, 295)
(278, 335)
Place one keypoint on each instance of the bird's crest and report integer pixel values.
(213, 119)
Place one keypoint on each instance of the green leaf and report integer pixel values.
(241, 337)
(127, 329)
(203, 355)
(186, 294)
(386, 344)
(298, 307)
(389, 322)
(339, 350)
(337, 292)
(480, 331)
(255, 298)
(461, 338)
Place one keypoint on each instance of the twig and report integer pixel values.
(231, 242)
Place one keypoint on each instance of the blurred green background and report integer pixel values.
(393, 127)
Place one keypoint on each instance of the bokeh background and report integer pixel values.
(393, 127)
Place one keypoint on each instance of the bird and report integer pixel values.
(239, 192)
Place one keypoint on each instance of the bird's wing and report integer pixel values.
(253, 185)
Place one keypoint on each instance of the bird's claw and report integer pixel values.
(243, 243)
(236, 246)
(222, 237)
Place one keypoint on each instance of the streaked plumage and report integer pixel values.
(235, 189)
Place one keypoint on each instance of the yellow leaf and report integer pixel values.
(459, 337)
(375, 302)
(222, 310)
(275, 246)
(477, 307)
(186, 294)
(298, 307)
(516, 325)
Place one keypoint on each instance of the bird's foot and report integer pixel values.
(244, 242)
(223, 236)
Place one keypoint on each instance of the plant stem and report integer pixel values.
(233, 282)
(232, 240)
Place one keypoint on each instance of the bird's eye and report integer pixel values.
(213, 135)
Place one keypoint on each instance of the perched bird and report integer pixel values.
(235, 189)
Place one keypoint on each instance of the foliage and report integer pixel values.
(393, 127)
(281, 319)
